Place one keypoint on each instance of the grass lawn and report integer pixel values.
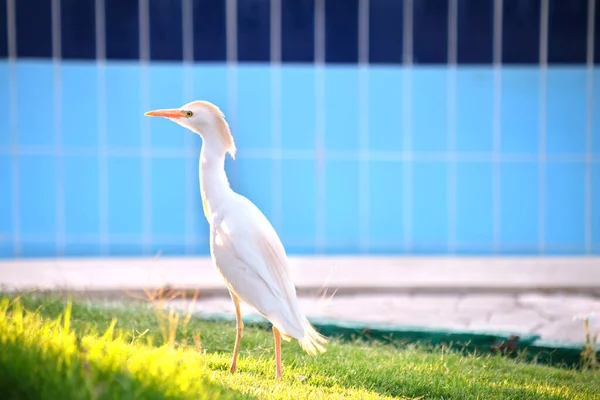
(52, 350)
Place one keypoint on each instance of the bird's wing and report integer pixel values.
(251, 258)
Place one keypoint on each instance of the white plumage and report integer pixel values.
(244, 247)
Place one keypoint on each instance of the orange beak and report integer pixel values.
(172, 113)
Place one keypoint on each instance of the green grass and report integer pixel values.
(52, 350)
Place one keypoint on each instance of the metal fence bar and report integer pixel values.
(14, 124)
(276, 106)
(407, 60)
(588, 124)
(363, 121)
(497, 128)
(451, 115)
(320, 238)
(144, 42)
(191, 164)
(542, 127)
(58, 134)
(103, 212)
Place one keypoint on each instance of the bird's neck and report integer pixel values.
(214, 185)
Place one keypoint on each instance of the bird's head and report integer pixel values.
(203, 118)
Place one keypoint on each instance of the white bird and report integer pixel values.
(244, 247)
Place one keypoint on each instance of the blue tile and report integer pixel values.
(168, 201)
(200, 227)
(7, 249)
(123, 105)
(79, 118)
(567, 31)
(341, 31)
(166, 32)
(125, 201)
(386, 31)
(298, 31)
(82, 195)
(429, 205)
(126, 249)
(37, 195)
(474, 109)
(300, 249)
(122, 29)
(253, 30)
(386, 203)
(78, 29)
(210, 84)
(474, 205)
(596, 205)
(385, 109)
(168, 249)
(6, 202)
(82, 249)
(565, 204)
(298, 113)
(430, 32)
(475, 31)
(34, 29)
(521, 32)
(166, 91)
(596, 115)
(299, 200)
(566, 110)
(254, 111)
(256, 183)
(3, 32)
(341, 202)
(5, 130)
(35, 90)
(342, 108)
(430, 110)
(519, 205)
(33, 249)
(520, 106)
(210, 39)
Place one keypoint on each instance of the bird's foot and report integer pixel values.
(278, 376)
(233, 368)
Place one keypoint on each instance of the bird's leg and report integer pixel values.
(238, 336)
(277, 337)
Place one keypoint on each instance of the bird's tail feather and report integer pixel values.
(312, 342)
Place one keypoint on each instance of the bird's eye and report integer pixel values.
(189, 114)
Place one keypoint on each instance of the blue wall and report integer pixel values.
(420, 160)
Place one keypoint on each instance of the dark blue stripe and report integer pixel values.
(3, 30)
(567, 38)
(210, 41)
(597, 35)
(34, 28)
(475, 31)
(298, 30)
(122, 29)
(166, 30)
(386, 25)
(567, 33)
(521, 32)
(78, 29)
(253, 33)
(430, 32)
(341, 31)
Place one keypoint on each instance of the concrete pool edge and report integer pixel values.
(312, 274)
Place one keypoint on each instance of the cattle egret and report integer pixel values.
(244, 247)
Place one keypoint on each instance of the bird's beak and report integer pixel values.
(172, 113)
